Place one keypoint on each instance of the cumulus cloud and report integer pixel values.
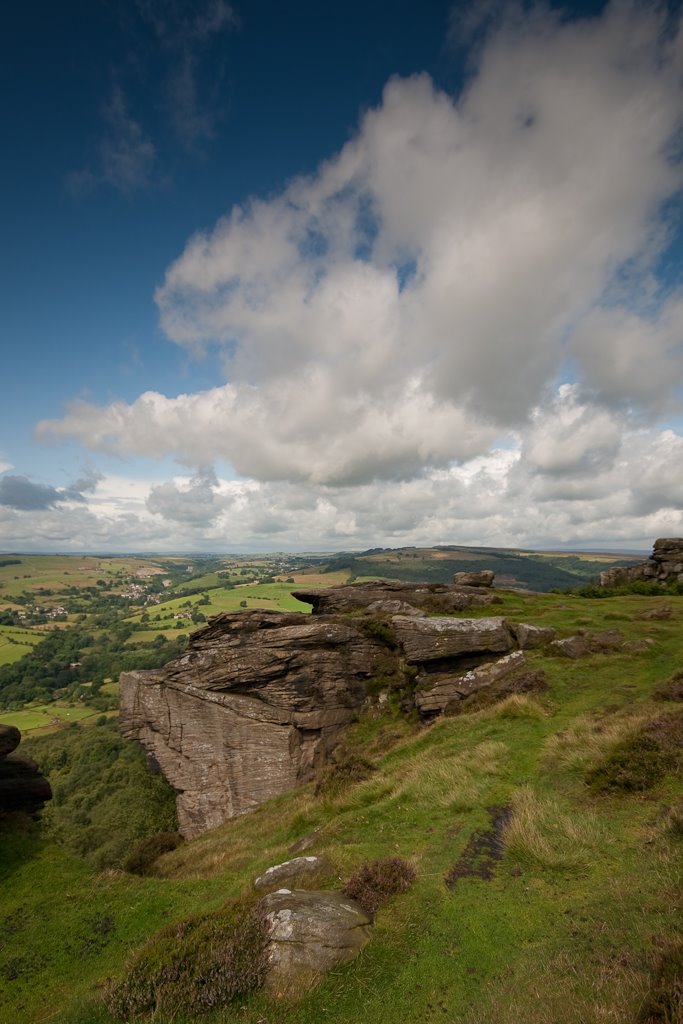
(20, 492)
(393, 326)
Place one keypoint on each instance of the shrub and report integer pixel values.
(672, 689)
(664, 1001)
(378, 629)
(194, 966)
(374, 883)
(141, 859)
(344, 772)
(634, 764)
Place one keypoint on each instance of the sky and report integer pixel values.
(302, 276)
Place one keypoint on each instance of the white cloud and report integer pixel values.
(383, 321)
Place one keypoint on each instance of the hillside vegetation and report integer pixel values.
(545, 832)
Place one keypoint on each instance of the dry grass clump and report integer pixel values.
(348, 769)
(672, 689)
(454, 781)
(517, 705)
(639, 761)
(539, 830)
(664, 1001)
(374, 883)
(588, 738)
(141, 859)
(194, 966)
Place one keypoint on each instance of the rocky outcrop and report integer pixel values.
(22, 786)
(665, 565)
(259, 701)
(292, 871)
(309, 933)
(435, 598)
(484, 578)
(433, 639)
(251, 710)
(442, 694)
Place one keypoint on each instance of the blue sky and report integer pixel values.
(291, 276)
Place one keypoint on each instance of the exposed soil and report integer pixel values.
(483, 851)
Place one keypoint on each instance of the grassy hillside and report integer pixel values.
(546, 832)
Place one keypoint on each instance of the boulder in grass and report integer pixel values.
(291, 870)
(310, 932)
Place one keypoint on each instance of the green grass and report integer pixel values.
(15, 642)
(42, 716)
(565, 932)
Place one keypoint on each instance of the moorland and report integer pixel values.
(564, 908)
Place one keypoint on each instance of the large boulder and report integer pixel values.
(310, 932)
(434, 639)
(441, 694)
(484, 578)
(437, 598)
(252, 709)
(665, 565)
(23, 787)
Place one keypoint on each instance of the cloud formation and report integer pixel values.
(394, 325)
(19, 492)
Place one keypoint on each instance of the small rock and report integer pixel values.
(474, 579)
(292, 869)
(532, 636)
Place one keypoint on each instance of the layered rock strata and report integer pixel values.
(378, 596)
(665, 565)
(251, 710)
(260, 699)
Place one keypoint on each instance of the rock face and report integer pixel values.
(442, 694)
(665, 565)
(310, 933)
(428, 640)
(260, 699)
(22, 786)
(438, 598)
(252, 709)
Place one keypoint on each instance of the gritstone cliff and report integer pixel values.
(665, 565)
(259, 700)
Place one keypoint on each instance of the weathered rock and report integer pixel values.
(529, 637)
(584, 643)
(665, 565)
(394, 607)
(441, 695)
(484, 578)
(661, 611)
(23, 787)
(433, 639)
(438, 598)
(310, 932)
(10, 737)
(292, 870)
(252, 709)
(259, 701)
(570, 647)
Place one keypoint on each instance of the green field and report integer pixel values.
(15, 642)
(41, 716)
